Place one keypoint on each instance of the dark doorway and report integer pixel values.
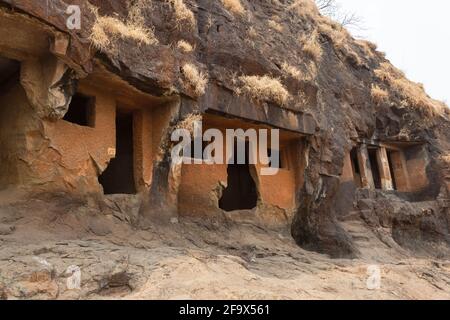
(391, 168)
(118, 178)
(374, 166)
(9, 74)
(355, 167)
(9, 148)
(241, 193)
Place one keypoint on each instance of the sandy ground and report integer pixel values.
(72, 251)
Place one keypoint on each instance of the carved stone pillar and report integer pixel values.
(365, 168)
(385, 171)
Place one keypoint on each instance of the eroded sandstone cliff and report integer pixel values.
(208, 54)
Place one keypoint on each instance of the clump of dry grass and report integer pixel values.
(388, 73)
(183, 15)
(368, 44)
(378, 95)
(333, 30)
(369, 48)
(106, 30)
(263, 88)
(291, 70)
(252, 33)
(341, 40)
(353, 57)
(135, 14)
(275, 25)
(311, 46)
(446, 159)
(304, 8)
(196, 79)
(185, 46)
(234, 6)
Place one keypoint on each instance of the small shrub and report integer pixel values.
(185, 46)
(304, 8)
(291, 70)
(183, 15)
(234, 6)
(378, 95)
(135, 15)
(311, 46)
(263, 88)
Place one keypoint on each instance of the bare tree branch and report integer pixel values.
(333, 9)
(326, 4)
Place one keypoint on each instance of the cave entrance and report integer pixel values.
(241, 192)
(394, 174)
(9, 115)
(375, 169)
(118, 178)
(355, 167)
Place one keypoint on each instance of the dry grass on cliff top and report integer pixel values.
(106, 30)
(263, 88)
(411, 93)
(357, 52)
(234, 6)
(196, 79)
(304, 7)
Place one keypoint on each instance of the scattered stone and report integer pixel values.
(99, 227)
(6, 230)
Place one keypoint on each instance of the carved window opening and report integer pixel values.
(81, 111)
(9, 74)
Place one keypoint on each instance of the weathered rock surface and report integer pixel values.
(333, 90)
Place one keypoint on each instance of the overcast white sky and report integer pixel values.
(415, 35)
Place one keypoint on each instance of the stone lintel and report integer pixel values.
(220, 100)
